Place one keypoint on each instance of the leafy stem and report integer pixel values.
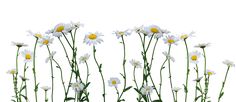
(223, 84)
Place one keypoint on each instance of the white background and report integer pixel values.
(212, 20)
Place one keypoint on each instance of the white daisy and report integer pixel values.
(93, 38)
(12, 71)
(135, 63)
(50, 57)
(229, 63)
(84, 58)
(23, 78)
(145, 90)
(168, 56)
(45, 88)
(37, 34)
(198, 79)
(202, 45)
(46, 40)
(61, 28)
(184, 36)
(176, 89)
(139, 29)
(210, 72)
(76, 24)
(122, 33)
(50, 31)
(171, 39)
(153, 29)
(194, 57)
(113, 82)
(19, 44)
(28, 55)
(77, 87)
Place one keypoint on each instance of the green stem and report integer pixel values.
(62, 79)
(205, 74)
(87, 72)
(67, 40)
(176, 96)
(46, 99)
(16, 80)
(223, 84)
(117, 92)
(34, 72)
(187, 72)
(162, 67)
(170, 74)
(15, 88)
(135, 78)
(51, 73)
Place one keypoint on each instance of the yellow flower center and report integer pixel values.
(154, 30)
(121, 33)
(38, 35)
(60, 28)
(210, 73)
(113, 82)
(13, 71)
(27, 56)
(194, 57)
(92, 36)
(45, 42)
(184, 36)
(171, 41)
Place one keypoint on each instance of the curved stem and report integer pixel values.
(170, 74)
(223, 84)
(34, 72)
(67, 40)
(162, 67)
(187, 72)
(153, 52)
(117, 92)
(87, 72)
(135, 78)
(51, 73)
(62, 79)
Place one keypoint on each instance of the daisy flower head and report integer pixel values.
(198, 79)
(171, 39)
(168, 56)
(45, 88)
(36, 35)
(50, 57)
(194, 57)
(77, 87)
(46, 40)
(184, 36)
(210, 72)
(23, 78)
(50, 31)
(19, 44)
(153, 30)
(84, 58)
(139, 29)
(76, 25)
(60, 29)
(28, 55)
(202, 45)
(11, 71)
(145, 90)
(229, 63)
(176, 89)
(135, 63)
(113, 82)
(122, 33)
(93, 38)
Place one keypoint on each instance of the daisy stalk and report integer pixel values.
(62, 79)
(196, 85)
(170, 74)
(16, 80)
(205, 75)
(162, 67)
(45, 96)
(135, 78)
(187, 72)
(25, 84)
(223, 84)
(52, 77)
(15, 87)
(100, 71)
(34, 72)
(86, 82)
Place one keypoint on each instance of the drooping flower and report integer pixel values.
(122, 33)
(135, 63)
(36, 35)
(19, 44)
(84, 58)
(184, 36)
(46, 40)
(23, 78)
(45, 88)
(198, 79)
(145, 90)
(139, 29)
(168, 56)
(113, 82)
(171, 39)
(194, 57)
(210, 72)
(229, 63)
(93, 38)
(202, 45)
(28, 55)
(11, 71)
(176, 89)
(77, 87)
(76, 24)
(50, 57)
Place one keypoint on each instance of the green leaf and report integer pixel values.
(86, 85)
(22, 89)
(185, 89)
(199, 89)
(69, 98)
(126, 89)
(221, 94)
(24, 96)
(198, 97)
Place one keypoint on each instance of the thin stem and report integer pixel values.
(65, 51)
(16, 80)
(153, 52)
(100, 71)
(46, 99)
(149, 43)
(34, 72)
(205, 74)
(135, 78)
(51, 73)
(187, 72)
(67, 40)
(170, 73)
(15, 88)
(162, 67)
(223, 84)
(62, 79)
(117, 92)
(176, 96)
(87, 72)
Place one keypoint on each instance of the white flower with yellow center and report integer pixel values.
(153, 30)
(46, 40)
(77, 87)
(122, 33)
(202, 45)
(93, 38)
(194, 57)
(184, 36)
(229, 63)
(168, 56)
(37, 35)
(171, 39)
(45, 88)
(84, 58)
(60, 29)
(135, 63)
(50, 57)
(210, 72)
(27, 55)
(12, 71)
(176, 89)
(19, 44)
(146, 90)
(113, 82)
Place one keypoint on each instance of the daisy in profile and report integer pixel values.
(171, 39)
(184, 36)
(46, 40)
(93, 38)
(76, 24)
(77, 87)
(153, 29)
(19, 44)
(50, 57)
(202, 45)
(198, 79)
(168, 56)
(146, 90)
(135, 63)
(23, 78)
(176, 89)
(139, 29)
(113, 82)
(12, 71)
(35, 34)
(229, 63)
(45, 88)
(194, 57)
(28, 55)
(210, 72)
(84, 58)
(122, 33)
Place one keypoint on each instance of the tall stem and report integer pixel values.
(162, 67)
(223, 84)
(170, 74)
(16, 80)
(87, 72)
(205, 75)
(187, 72)
(51, 73)
(34, 72)
(62, 79)
(135, 78)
